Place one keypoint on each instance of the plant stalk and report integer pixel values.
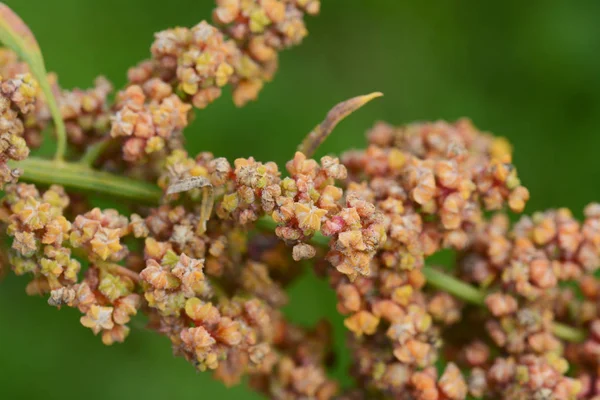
(81, 177)
(453, 286)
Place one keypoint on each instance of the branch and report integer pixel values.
(83, 178)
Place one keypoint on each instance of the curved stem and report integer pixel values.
(61, 132)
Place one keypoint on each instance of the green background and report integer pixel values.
(527, 70)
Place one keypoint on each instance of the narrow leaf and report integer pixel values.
(16, 35)
(318, 135)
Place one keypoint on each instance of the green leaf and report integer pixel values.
(15, 34)
(317, 136)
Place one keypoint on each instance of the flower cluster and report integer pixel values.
(86, 112)
(149, 117)
(538, 253)
(107, 299)
(40, 233)
(189, 67)
(204, 61)
(261, 29)
(99, 233)
(199, 62)
(42, 246)
(530, 271)
(17, 99)
(394, 334)
(36, 119)
(433, 182)
(237, 335)
(205, 247)
(305, 203)
(530, 377)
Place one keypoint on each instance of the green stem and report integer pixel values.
(81, 177)
(568, 333)
(455, 287)
(61, 132)
(470, 294)
(94, 152)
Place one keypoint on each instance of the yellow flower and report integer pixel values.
(309, 217)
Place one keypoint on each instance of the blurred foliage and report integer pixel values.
(524, 70)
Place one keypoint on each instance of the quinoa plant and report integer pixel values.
(207, 246)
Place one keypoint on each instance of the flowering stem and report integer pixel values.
(81, 177)
(61, 132)
(59, 124)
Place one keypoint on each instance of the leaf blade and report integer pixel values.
(16, 35)
(317, 136)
